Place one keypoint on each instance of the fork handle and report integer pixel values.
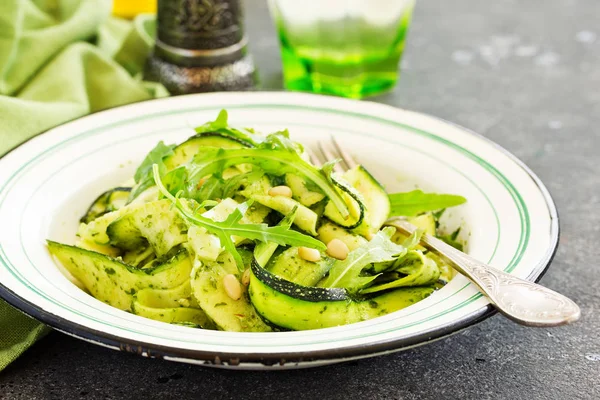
(525, 302)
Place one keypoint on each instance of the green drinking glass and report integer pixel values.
(349, 48)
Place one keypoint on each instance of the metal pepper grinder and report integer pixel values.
(200, 47)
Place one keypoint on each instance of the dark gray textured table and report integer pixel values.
(523, 73)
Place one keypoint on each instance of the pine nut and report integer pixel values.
(246, 277)
(232, 286)
(183, 302)
(280, 191)
(337, 249)
(308, 254)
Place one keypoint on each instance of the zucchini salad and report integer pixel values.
(237, 230)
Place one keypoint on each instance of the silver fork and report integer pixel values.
(524, 302)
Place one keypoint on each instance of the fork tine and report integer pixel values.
(350, 162)
(313, 158)
(330, 156)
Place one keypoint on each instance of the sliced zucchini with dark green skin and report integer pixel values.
(366, 196)
(108, 201)
(95, 231)
(256, 214)
(176, 315)
(227, 314)
(139, 256)
(424, 221)
(184, 153)
(178, 296)
(329, 231)
(374, 196)
(174, 305)
(156, 223)
(202, 244)
(354, 201)
(289, 266)
(447, 273)
(291, 306)
(99, 248)
(110, 280)
(305, 219)
(300, 191)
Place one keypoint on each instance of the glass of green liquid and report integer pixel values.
(349, 48)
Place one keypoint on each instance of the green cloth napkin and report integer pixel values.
(59, 60)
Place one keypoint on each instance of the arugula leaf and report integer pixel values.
(155, 156)
(175, 180)
(225, 239)
(281, 141)
(416, 202)
(347, 273)
(417, 270)
(231, 226)
(221, 125)
(409, 244)
(264, 250)
(143, 175)
(413, 240)
(436, 217)
(212, 188)
(216, 187)
(451, 240)
(273, 161)
(232, 185)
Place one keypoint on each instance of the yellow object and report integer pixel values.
(131, 8)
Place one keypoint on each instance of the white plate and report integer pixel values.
(47, 183)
